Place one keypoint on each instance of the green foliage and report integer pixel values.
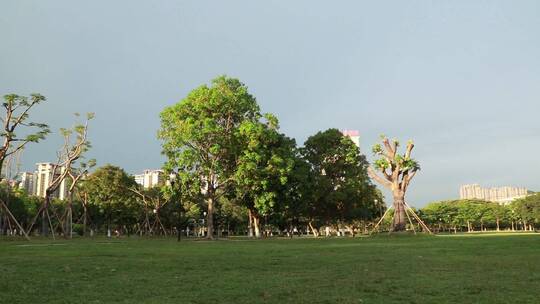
(528, 209)
(459, 214)
(388, 160)
(200, 133)
(108, 190)
(264, 166)
(382, 164)
(17, 111)
(202, 138)
(341, 187)
(21, 205)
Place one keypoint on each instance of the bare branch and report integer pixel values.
(372, 173)
(410, 147)
(391, 151)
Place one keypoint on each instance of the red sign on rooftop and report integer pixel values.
(350, 132)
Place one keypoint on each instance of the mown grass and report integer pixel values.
(383, 269)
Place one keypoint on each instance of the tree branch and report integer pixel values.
(410, 147)
(372, 173)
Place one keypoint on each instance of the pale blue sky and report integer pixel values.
(462, 78)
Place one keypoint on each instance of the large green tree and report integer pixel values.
(109, 188)
(201, 137)
(342, 191)
(264, 165)
(528, 211)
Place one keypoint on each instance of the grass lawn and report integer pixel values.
(382, 269)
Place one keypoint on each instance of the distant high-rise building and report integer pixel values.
(28, 182)
(150, 178)
(45, 176)
(501, 195)
(139, 179)
(354, 135)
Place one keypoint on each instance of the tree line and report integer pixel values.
(117, 207)
(227, 164)
(478, 215)
(230, 170)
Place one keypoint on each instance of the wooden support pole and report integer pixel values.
(418, 219)
(408, 217)
(380, 221)
(14, 219)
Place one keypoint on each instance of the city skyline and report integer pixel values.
(501, 194)
(460, 79)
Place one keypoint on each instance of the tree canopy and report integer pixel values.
(202, 139)
(341, 187)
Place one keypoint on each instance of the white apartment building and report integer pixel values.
(28, 182)
(139, 179)
(44, 177)
(150, 178)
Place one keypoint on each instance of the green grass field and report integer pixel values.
(382, 269)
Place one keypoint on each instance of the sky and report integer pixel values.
(460, 78)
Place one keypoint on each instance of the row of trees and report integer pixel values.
(110, 199)
(228, 162)
(477, 215)
(16, 133)
(230, 166)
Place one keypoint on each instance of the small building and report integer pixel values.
(150, 178)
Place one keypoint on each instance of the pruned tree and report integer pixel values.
(183, 202)
(17, 111)
(11, 170)
(82, 195)
(75, 175)
(395, 172)
(75, 144)
(153, 201)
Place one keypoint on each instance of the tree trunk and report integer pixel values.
(498, 227)
(250, 224)
(109, 221)
(44, 219)
(210, 218)
(69, 217)
(400, 221)
(85, 214)
(256, 226)
(84, 221)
